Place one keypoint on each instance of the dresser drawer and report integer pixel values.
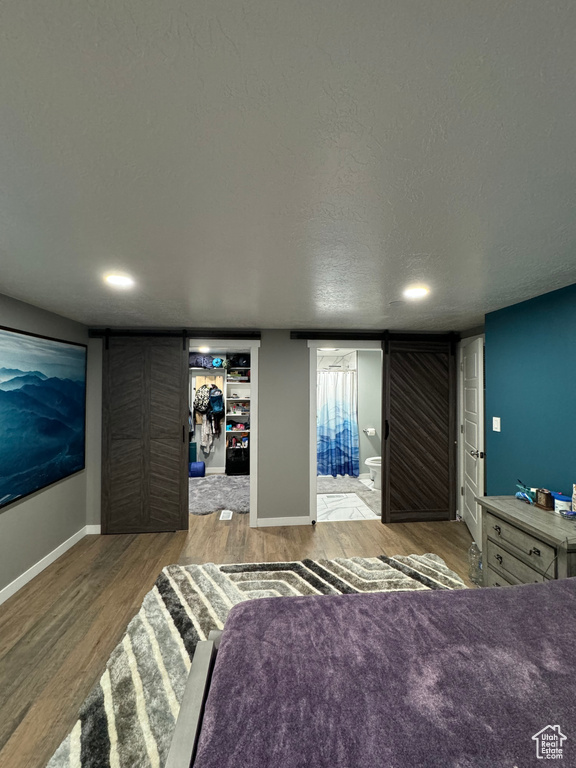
(493, 579)
(531, 550)
(509, 565)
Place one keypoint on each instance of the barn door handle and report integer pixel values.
(386, 429)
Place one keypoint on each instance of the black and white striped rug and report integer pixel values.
(128, 719)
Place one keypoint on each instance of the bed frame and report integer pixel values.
(187, 731)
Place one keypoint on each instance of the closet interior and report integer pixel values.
(219, 414)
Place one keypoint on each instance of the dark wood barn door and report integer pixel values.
(419, 413)
(145, 428)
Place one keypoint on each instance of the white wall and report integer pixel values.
(31, 528)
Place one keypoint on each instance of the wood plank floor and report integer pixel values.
(58, 631)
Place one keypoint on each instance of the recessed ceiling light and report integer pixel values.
(416, 292)
(327, 349)
(119, 281)
(203, 350)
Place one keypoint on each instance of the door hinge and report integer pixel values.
(462, 365)
(461, 490)
(462, 429)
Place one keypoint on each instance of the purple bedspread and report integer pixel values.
(395, 680)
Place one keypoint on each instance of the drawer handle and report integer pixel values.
(534, 551)
(498, 529)
(499, 558)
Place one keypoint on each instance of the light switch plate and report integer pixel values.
(496, 423)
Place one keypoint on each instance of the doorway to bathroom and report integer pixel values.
(345, 431)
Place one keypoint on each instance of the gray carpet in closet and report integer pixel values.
(214, 493)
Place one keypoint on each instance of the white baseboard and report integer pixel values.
(215, 470)
(51, 557)
(364, 476)
(264, 522)
(92, 529)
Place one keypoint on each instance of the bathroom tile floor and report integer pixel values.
(336, 507)
(361, 487)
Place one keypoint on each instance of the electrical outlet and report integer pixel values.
(496, 424)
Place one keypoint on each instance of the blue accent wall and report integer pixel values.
(531, 385)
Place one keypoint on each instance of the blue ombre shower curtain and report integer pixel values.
(337, 423)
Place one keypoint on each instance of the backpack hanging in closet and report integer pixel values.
(202, 399)
(216, 401)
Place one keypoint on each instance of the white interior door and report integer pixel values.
(472, 460)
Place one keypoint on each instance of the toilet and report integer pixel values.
(374, 464)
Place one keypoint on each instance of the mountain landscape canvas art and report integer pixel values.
(42, 412)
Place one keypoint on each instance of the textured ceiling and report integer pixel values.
(263, 163)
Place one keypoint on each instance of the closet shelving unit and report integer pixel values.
(237, 413)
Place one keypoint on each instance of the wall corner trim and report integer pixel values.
(50, 558)
(93, 529)
(264, 522)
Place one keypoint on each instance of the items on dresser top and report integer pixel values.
(562, 504)
(523, 544)
(549, 500)
(544, 499)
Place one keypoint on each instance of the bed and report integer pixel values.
(440, 678)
